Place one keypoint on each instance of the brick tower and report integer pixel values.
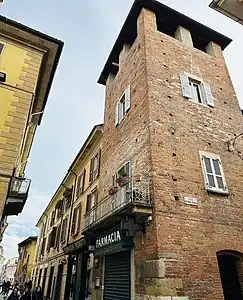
(173, 230)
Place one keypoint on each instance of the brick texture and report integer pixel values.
(162, 135)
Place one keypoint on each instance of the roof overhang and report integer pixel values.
(230, 8)
(168, 20)
(51, 48)
(27, 241)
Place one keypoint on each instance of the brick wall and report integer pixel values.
(162, 135)
(178, 130)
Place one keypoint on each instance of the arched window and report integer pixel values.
(231, 273)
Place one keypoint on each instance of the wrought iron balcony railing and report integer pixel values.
(133, 193)
(17, 195)
(19, 188)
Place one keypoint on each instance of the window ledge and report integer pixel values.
(201, 104)
(225, 193)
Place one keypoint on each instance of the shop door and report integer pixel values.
(117, 276)
(58, 282)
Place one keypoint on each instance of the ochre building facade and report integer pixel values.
(28, 60)
(26, 250)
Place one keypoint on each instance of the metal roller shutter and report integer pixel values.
(117, 276)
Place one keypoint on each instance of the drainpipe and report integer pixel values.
(73, 198)
(68, 277)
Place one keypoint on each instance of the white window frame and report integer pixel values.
(204, 89)
(123, 106)
(216, 189)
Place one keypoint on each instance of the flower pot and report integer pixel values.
(113, 190)
(123, 181)
(137, 178)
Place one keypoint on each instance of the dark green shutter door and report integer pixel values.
(117, 276)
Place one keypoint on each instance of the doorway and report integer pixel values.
(50, 283)
(44, 281)
(117, 281)
(229, 267)
(58, 282)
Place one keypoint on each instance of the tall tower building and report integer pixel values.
(168, 222)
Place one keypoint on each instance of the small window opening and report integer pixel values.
(230, 268)
(196, 90)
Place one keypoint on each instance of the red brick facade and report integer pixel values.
(162, 135)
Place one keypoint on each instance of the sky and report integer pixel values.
(89, 30)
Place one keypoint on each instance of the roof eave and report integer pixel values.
(152, 5)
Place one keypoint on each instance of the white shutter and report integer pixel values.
(208, 94)
(117, 113)
(127, 98)
(185, 87)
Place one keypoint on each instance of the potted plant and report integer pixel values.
(113, 190)
(123, 180)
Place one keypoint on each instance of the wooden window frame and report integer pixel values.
(64, 231)
(123, 106)
(76, 220)
(209, 188)
(94, 173)
(205, 93)
(81, 184)
(94, 193)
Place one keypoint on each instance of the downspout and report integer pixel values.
(67, 285)
(73, 198)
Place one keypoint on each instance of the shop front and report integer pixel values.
(112, 264)
(79, 271)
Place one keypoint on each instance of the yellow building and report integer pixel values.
(28, 61)
(58, 256)
(26, 251)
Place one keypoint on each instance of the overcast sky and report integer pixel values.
(89, 30)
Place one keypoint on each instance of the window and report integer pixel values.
(53, 216)
(64, 230)
(94, 167)
(122, 106)
(53, 237)
(213, 173)
(196, 90)
(76, 220)
(57, 241)
(92, 200)
(67, 198)
(43, 246)
(80, 184)
(59, 208)
(1, 48)
(124, 171)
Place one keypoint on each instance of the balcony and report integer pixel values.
(17, 195)
(132, 199)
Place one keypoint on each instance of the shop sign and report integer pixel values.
(109, 238)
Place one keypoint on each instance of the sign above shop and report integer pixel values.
(76, 246)
(110, 238)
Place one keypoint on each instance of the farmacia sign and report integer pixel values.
(108, 239)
